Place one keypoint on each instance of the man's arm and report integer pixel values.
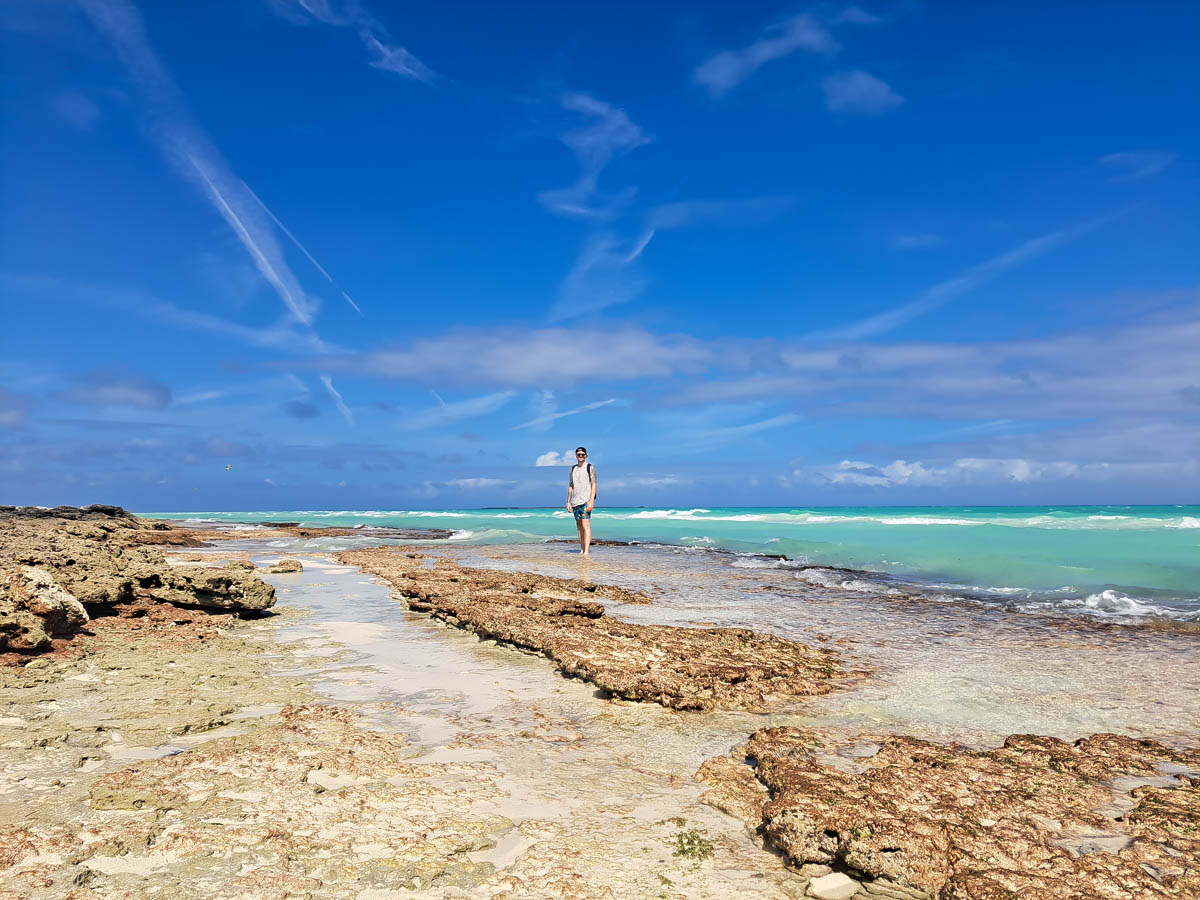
(592, 500)
(568, 494)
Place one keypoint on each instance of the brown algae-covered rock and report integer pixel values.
(286, 566)
(681, 668)
(1039, 818)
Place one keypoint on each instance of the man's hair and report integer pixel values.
(584, 449)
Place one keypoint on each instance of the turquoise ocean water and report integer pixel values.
(1108, 561)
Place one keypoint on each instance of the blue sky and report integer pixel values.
(289, 254)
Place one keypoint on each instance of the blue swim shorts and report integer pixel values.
(581, 512)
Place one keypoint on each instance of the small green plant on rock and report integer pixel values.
(691, 844)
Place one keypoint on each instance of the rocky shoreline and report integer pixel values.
(681, 668)
(151, 745)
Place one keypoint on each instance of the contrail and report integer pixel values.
(312, 259)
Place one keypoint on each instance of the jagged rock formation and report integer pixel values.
(34, 608)
(286, 566)
(84, 558)
(681, 668)
(1041, 819)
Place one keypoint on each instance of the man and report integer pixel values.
(581, 497)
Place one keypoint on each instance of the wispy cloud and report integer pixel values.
(193, 154)
(723, 72)
(918, 241)
(856, 15)
(287, 334)
(610, 131)
(1062, 377)
(385, 54)
(300, 409)
(1136, 165)
(859, 92)
(532, 357)
(477, 483)
(76, 110)
(312, 259)
(604, 274)
(548, 418)
(449, 413)
(337, 399)
(741, 211)
(967, 470)
(14, 409)
(601, 277)
(972, 279)
(715, 437)
(117, 388)
(553, 458)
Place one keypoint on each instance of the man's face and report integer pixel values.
(580, 456)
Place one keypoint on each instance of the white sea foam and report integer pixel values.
(1184, 522)
(665, 514)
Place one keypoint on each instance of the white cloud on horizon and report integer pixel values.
(859, 92)
(721, 73)
(981, 472)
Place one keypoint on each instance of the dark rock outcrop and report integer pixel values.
(681, 668)
(1040, 819)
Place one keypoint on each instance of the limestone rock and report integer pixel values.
(34, 608)
(681, 668)
(834, 886)
(1024, 820)
(204, 587)
(243, 564)
(285, 566)
(90, 554)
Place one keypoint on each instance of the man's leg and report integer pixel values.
(579, 520)
(585, 536)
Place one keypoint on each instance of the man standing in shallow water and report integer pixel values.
(581, 497)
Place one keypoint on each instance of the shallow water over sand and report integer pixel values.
(599, 783)
(602, 790)
(944, 670)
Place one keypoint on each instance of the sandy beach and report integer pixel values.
(457, 721)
